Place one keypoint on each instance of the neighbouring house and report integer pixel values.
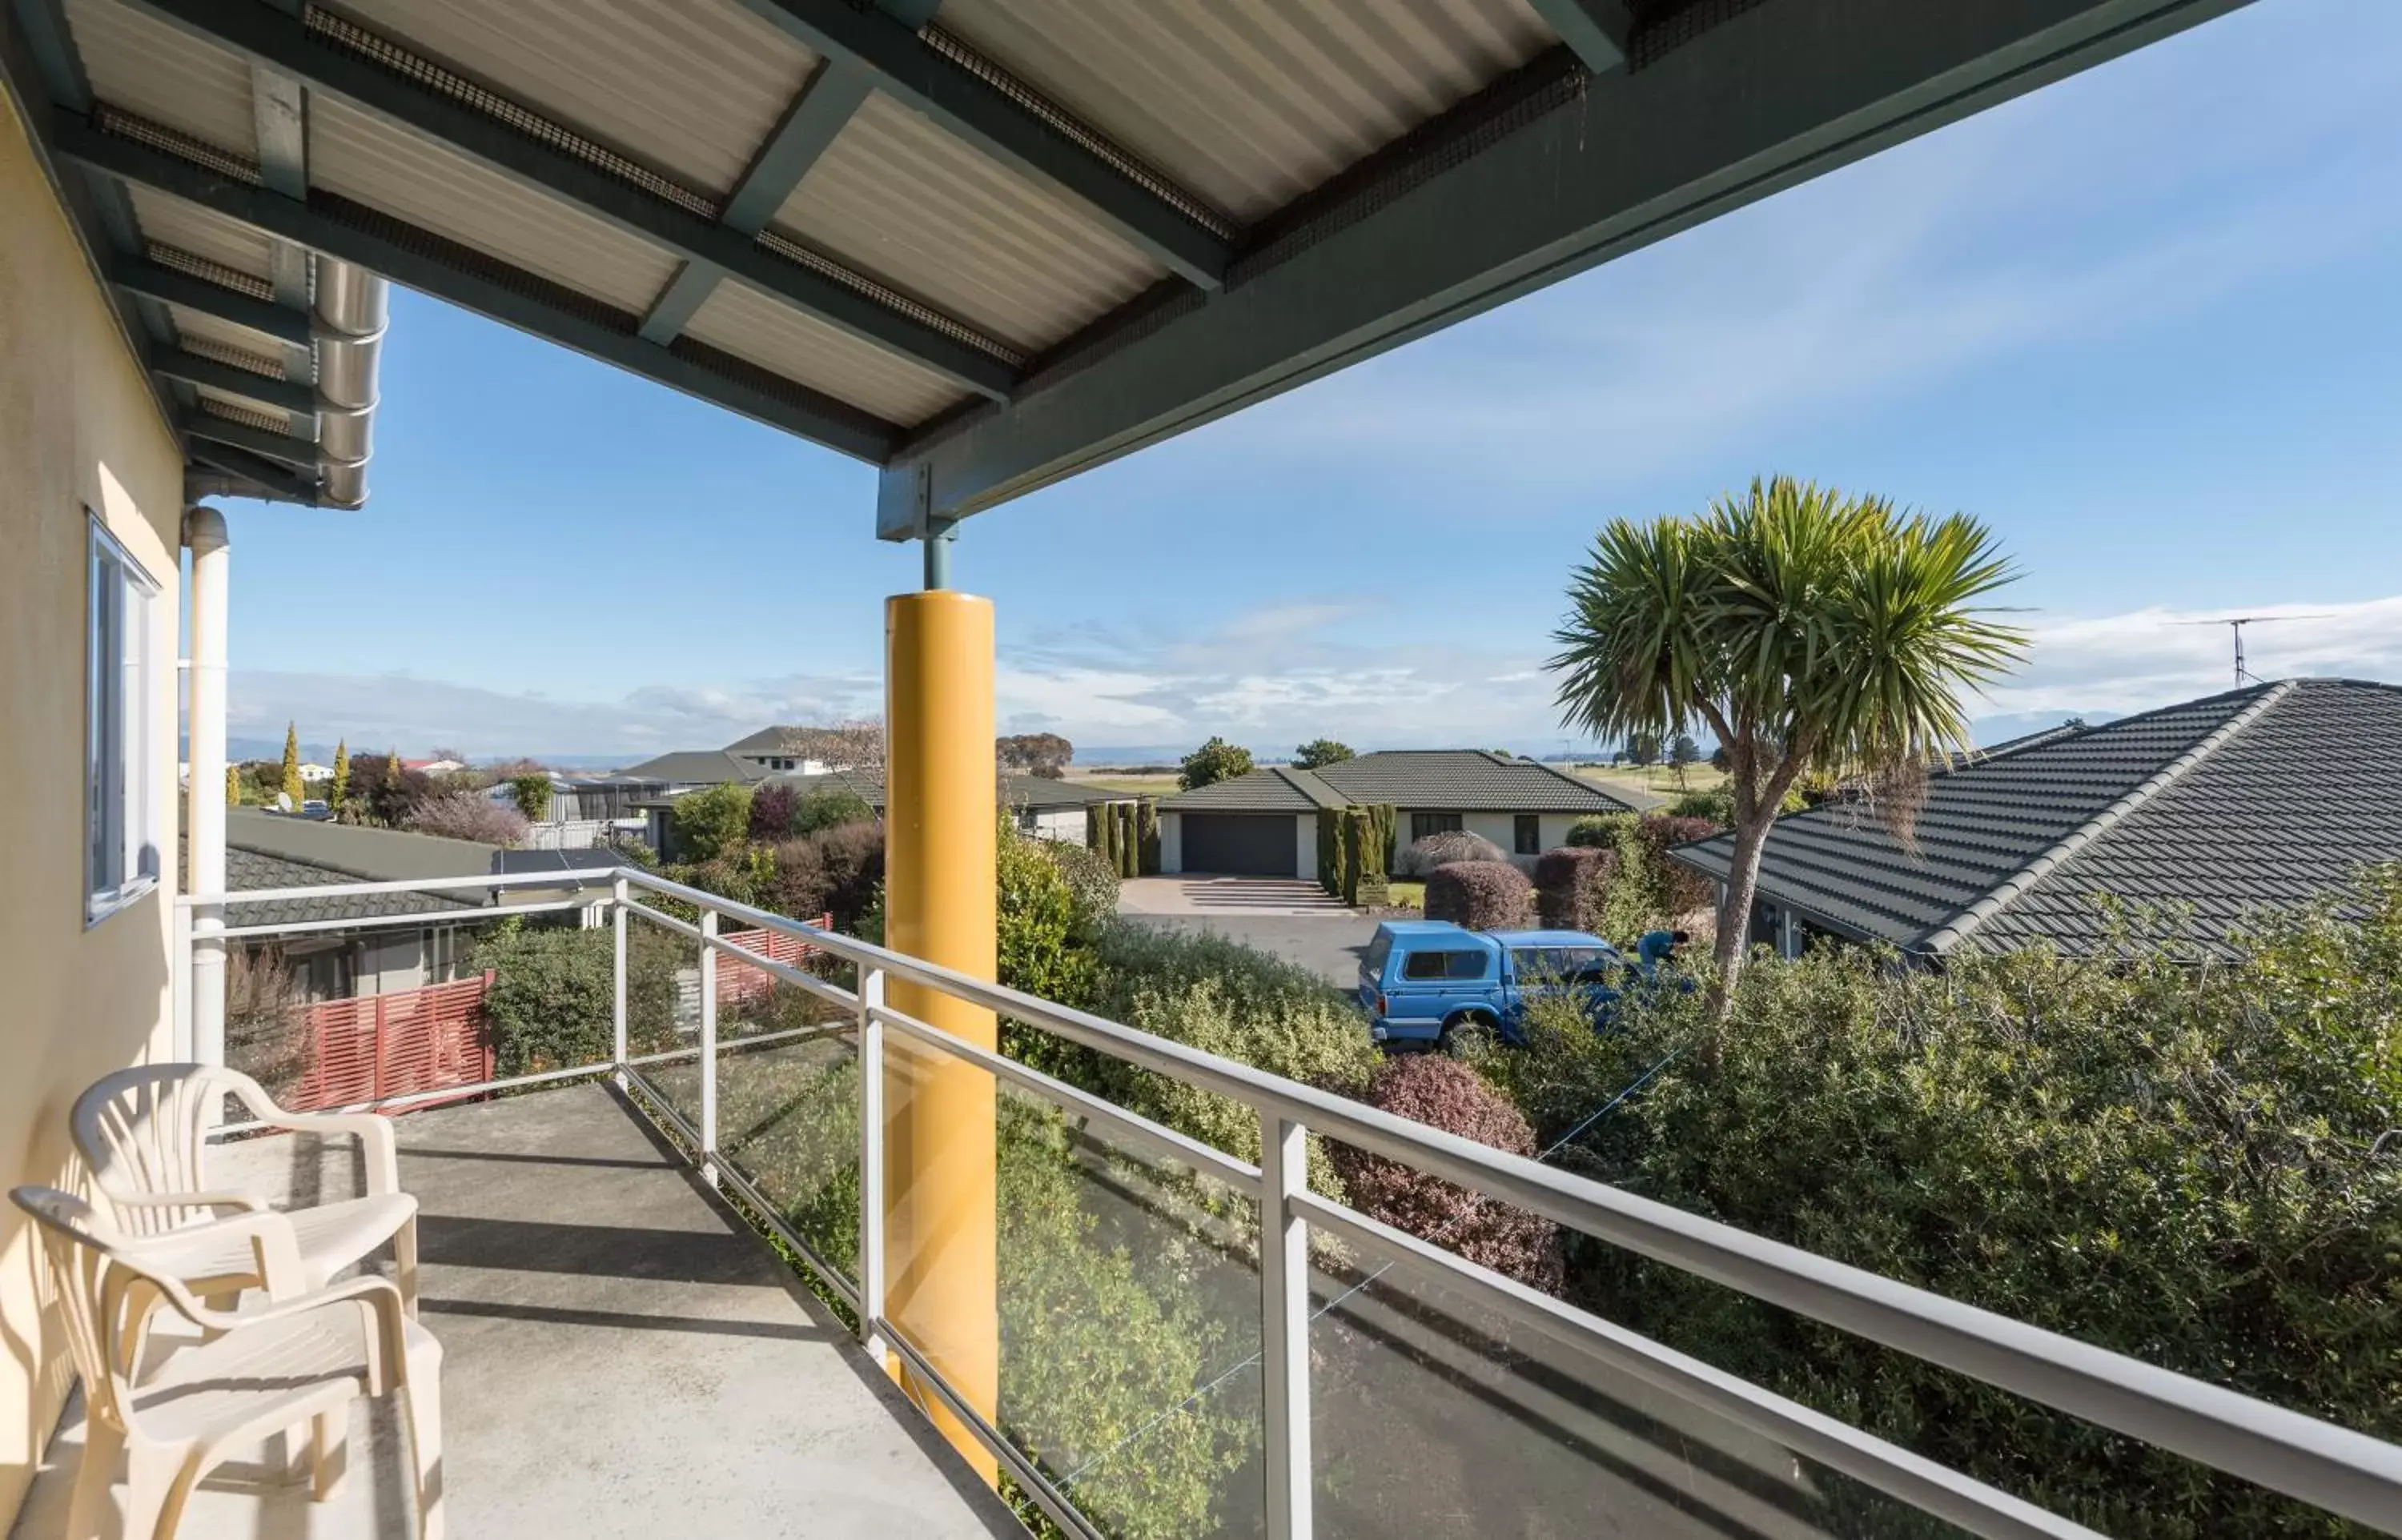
(1047, 809)
(1265, 823)
(433, 767)
(2208, 811)
(312, 772)
(788, 750)
(269, 850)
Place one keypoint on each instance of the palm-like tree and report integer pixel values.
(1811, 632)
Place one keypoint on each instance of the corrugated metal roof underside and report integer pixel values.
(1247, 106)
(690, 88)
(739, 320)
(187, 227)
(2280, 813)
(896, 197)
(242, 409)
(225, 334)
(164, 74)
(367, 161)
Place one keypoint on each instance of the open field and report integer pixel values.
(1148, 786)
(1661, 780)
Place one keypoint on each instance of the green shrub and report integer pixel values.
(531, 794)
(1147, 827)
(1090, 882)
(2188, 1163)
(553, 996)
(1042, 935)
(1569, 883)
(1598, 830)
(708, 823)
(1213, 761)
(1331, 827)
(829, 807)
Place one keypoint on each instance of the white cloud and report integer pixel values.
(1276, 678)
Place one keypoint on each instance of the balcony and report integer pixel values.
(1189, 1342)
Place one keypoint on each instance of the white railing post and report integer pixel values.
(617, 982)
(179, 970)
(709, 1047)
(1284, 1326)
(871, 1161)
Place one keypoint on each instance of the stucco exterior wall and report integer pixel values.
(1501, 828)
(1171, 843)
(78, 427)
(1305, 847)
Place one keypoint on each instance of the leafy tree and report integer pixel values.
(293, 789)
(1684, 751)
(1318, 753)
(708, 823)
(771, 813)
(1213, 761)
(1806, 630)
(1045, 755)
(531, 794)
(1643, 748)
(233, 785)
(467, 816)
(829, 807)
(341, 794)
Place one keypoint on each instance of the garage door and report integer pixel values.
(1251, 845)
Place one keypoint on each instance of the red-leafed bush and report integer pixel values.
(771, 813)
(1479, 895)
(1570, 883)
(1446, 1093)
(469, 816)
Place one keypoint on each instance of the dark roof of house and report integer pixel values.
(695, 767)
(269, 850)
(1035, 791)
(778, 740)
(1468, 780)
(2259, 798)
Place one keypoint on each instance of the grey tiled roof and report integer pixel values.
(1467, 780)
(695, 767)
(2260, 797)
(1038, 793)
(252, 871)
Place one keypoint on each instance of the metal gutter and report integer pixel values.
(1944, 938)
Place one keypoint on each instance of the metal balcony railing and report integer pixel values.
(2316, 1463)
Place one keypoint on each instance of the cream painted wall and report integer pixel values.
(78, 427)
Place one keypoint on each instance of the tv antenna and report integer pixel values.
(2236, 623)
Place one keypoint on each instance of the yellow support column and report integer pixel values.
(941, 1250)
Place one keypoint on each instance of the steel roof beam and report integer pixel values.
(1768, 98)
(283, 395)
(139, 275)
(298, 453)
(1598, 32)
(415, 259)
(272, 481)
(902, 66)
(263, 35)
(817, 114)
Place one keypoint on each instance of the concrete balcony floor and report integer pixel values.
(622, 1357)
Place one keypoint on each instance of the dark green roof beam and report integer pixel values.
(425, 262)
(262, 34)
(271, 479)
(298, 453)
(283, 395)
(1597, 31)
(1767, 98)
(138, 275)
(818, 113)
(905, 67)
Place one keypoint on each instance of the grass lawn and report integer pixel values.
(1148, 786)
(1408, 895)
(1659, 779)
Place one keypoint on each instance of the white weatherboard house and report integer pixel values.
(1264, 824)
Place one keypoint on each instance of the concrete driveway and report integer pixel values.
(1203, 895)
(1295, 920)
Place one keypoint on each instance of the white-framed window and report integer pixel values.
(122, 834)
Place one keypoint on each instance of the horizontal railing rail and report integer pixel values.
(2318, 1463)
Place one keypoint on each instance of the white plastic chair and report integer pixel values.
(298, 1362)
(144, 1133)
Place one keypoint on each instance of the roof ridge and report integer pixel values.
(2026, 877)
(1319, 789)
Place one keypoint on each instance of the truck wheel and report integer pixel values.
(1448, 1040)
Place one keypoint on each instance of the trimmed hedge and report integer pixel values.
(1479, 895)
(1570, 883)
(1420, 858)
(1442, 1093)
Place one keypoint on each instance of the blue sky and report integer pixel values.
(2147, 323)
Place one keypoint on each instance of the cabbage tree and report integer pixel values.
(1811, 632)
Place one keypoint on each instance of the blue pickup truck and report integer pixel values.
(1420, 981)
